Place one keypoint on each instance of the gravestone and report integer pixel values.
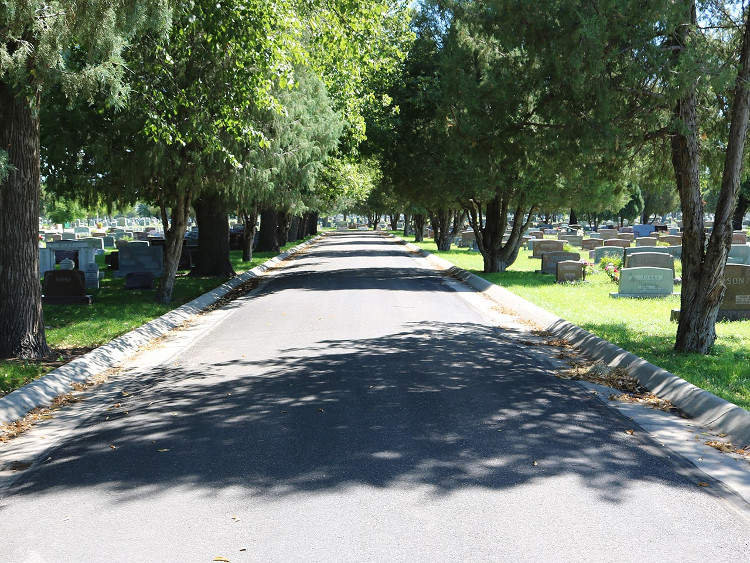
(645, 282)
(65, 287)
(625, 230)
(596, 236)
(607, 234)
(736, 302)
(84, 254)
(467, 239)
(646, 241)
(622, 243)
(671, 240)
(550, 260)
(739, 237)
(138, 243)
(643, 230)
(536, 234)
(568, 271)
(541, 246)
(652, 259)
(139, 280)
(137, 258)
(92, 276)
(68, 236)
(591, 243)
(602, 251)
(551, 232)
(739, 254)
(108, 241)
(96, 243)
(67, 264)
(572, 240)
(626, 236)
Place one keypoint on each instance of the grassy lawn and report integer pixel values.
(72, 329)
(641, 326)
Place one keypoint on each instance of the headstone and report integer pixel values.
(607, 234)
(617, 242)
(541, 246)
(139, 280)
(736, 303)
(550, 260)
(467, 238)
(739, 254)
(645, 281)
(46, 260)
(92, 276)
(652, 259)
(643, 230)
(572, 240)
(94, 242)
(551, 232)
(628, 230)
(595, 235)
(646, 241)
(68, 236)
(536, 234)
(67, 264)
(138, 243)
(739, 237)
(602, 251)
(108, 241)
(140, 259)
(591, 243)
(626, 236)
(65, 287)
(671, 240)
(568, 271)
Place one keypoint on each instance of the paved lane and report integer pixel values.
(357, 408)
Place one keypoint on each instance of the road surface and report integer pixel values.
(358, 406)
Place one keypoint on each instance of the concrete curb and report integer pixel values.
(42, 391)
(704, 407)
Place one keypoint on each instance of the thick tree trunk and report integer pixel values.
(174, 235)
(419, 221)
(283, 222)
(249, 218)
(394, 219)
(312, 223)
(739, 212)
(445, 224)
(373, 219)
(496, 255)
(267, 241)
(211, 211)
(703, 283)
(21, 317)
(295, 227)
(407, 225)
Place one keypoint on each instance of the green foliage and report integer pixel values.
(64, 210)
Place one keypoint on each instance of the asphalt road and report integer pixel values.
(356, 407)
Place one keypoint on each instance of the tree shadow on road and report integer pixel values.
(448, 406)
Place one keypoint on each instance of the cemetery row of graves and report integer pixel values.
(623, 285)
(98, 284)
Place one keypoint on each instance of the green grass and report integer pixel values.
(640, 326)
(72, 329)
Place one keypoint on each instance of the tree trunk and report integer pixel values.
(21, 316)
(211, 212)
(283, 222)
(407, 225)
(267, 241)
(703, 284)
(739, 213)
(573, 217)
(312, 223)
(445, 224)
(394, 220)
(249, 218)
(174, 236)
(496, 255)
(373, 219)
(295, 228)
(419, 220)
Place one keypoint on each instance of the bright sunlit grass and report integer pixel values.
(640, 326)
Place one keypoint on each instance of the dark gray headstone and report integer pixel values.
(139, 280)
(65, 287)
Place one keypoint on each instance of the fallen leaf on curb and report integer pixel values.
(629, 432)
(702, 484)
(220, 558)
(164, 450)
(113, 447)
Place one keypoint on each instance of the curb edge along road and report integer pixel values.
(703, 407)
(41, 392)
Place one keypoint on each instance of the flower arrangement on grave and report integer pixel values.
(588, 268)
(613, 272)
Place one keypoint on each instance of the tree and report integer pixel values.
(45, 44)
